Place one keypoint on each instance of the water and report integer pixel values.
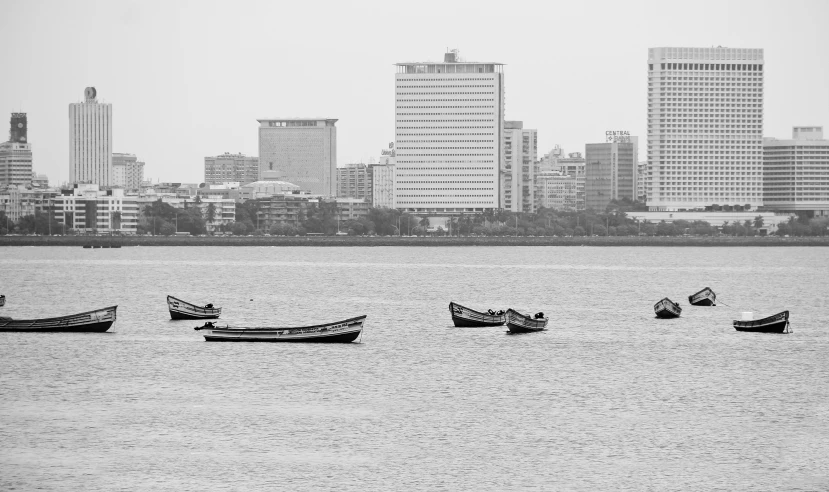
(608, 398)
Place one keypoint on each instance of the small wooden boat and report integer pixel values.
(705, 297)
(464, 317)
(91, 321)
(521, 323)
(778, 323)
(345, 331)
(87, 246)
(185, 310)
(667, 308)
(2, 300)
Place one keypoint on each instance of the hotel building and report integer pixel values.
(705, 128)
(796, 172)
(449, 120)
(302, 151)
(16, 154)
(90, 141)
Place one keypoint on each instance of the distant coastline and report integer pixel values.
(127, 241)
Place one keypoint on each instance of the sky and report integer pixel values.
(189, 79)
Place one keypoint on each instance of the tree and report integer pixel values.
(758, 222)
(211, 213)
(167, 229)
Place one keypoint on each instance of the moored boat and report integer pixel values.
(186, 310)
(344, 331)
(464, 317)
(667, 308)
(91, 321)
(2, 300)
(521, 323)
(705, 297)
(777, 323)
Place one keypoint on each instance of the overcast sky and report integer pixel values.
(189, 79)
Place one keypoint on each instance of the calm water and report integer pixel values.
(609, 398)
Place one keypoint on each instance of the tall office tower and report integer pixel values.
(518, 188)
(354, 181)
(705, 128)
(449, 119)
(127, 171)
(231, 168)
(16, 154)
(303, 151)
(796, 172)
(610, 173)
(90, 140)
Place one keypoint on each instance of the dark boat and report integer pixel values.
(778, 323)
(87, 246)
(91, 321)
(185, 310)
(705, 297)
(521, 323)
(464, 317)
(345, 331)
(667, 308)
(2, 300)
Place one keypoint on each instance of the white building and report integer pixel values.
(561, 191)
(449, 119)
(705, 128)
(88, 209)
(90, 141)
(796, 172)
(520, 168)
(222, 211)
(127, 171)
(302, 151)
(382, 185)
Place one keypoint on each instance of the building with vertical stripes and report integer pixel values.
(302, 151)
(796, 172)
(16, 154)
(90, 141)
(705, 129)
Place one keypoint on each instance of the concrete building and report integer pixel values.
(88, 209)
(354, 181)
(265, 189)
(520, 167)
(18, 201)
(796, 172)
(717, 219)
(561, 191)
(39, 180)
(382, 185)
(231, 167)
(16, 154)
(216, 211)
(610, 173)
(449, 120)
(90, 141)
(641, 172)
(303, 151)
(127, 171)
(705, 128)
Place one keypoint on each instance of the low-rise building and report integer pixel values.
(88, 209)
(796, 172)
(561, 191)
(231, 167)
(19, 201)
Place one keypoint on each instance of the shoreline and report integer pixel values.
(126, 241)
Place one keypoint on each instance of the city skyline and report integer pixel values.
(178, 95)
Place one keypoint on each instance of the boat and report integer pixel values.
(521, 323)
(344, 331)
(667, 308)
(2, 300)
(777, 323)
(87, 246)
(91, 321)
(464, 317)
(185, 310)
(705, 297)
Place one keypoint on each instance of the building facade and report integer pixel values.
(90, 141)
(796, 172)
(518, 190)
(19, 201)
(561, 191)
(609, 173)
(88, 209)
(449, 120)
(382, 185)
(231, 168)
(302, 151)
(127, 171)
(16, 154)
(705, 128)
(354, 181)
(216, 211)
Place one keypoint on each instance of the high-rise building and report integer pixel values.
(796, 172)
(16, 154)
(231, 168)
(382, 185)
(127, 171)
(302, 151)
(610, 173)
(90, 140)
(520, 168)
(449, 119)
(705, 128)
(354, 181)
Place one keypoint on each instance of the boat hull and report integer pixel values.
(2, 301)
(463, 317)
(705, 297)
(91, 322)
(666, 309)
(519, 323)
(187, 310)
(778, 323)
(345, 331)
